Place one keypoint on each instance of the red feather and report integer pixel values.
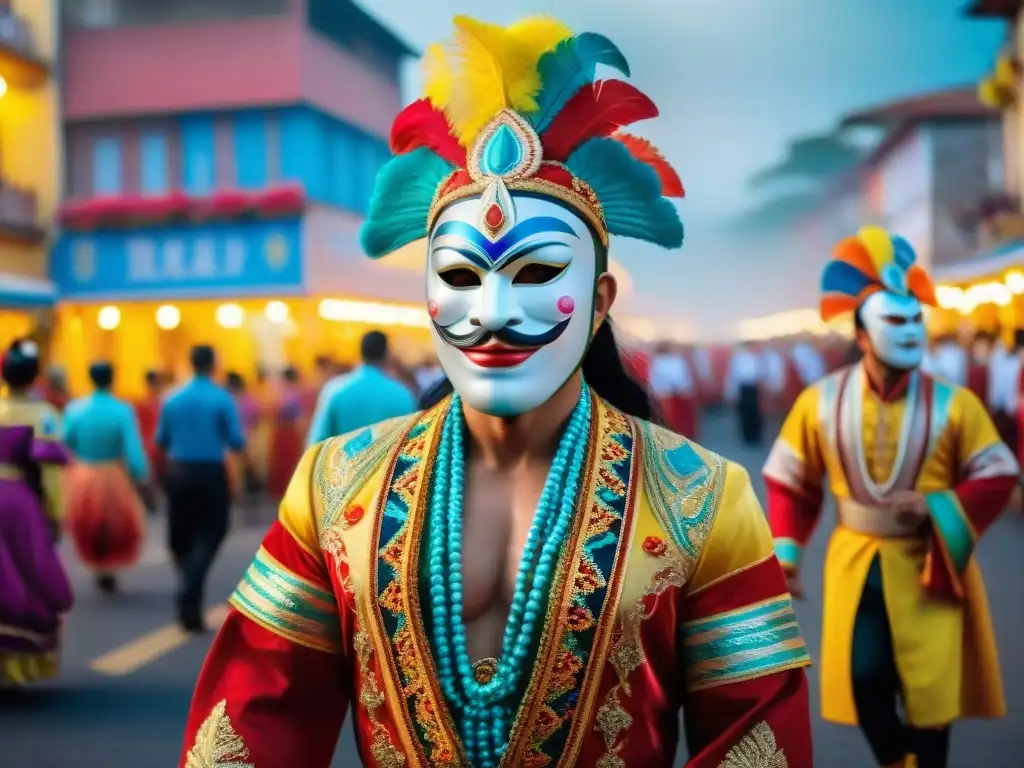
(421, 124)
(645, 152)
(596, 111)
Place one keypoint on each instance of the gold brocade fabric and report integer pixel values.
(217, 744)
(757, 750)
(882, 424)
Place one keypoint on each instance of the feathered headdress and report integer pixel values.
(872, 261)
(519, 109)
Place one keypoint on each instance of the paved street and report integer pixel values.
(129, 674)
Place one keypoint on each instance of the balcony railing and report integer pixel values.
(19, 214)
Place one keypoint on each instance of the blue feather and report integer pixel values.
(903, 252)
(571, 65)
(629, 191)
(402, 195)
(840, 277)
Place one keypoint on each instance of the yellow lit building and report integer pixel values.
(30, 162)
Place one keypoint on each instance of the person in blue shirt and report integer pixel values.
(105, 515)
(199, 425)
(363, 397)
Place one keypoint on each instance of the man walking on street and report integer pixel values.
(198, 425)
(361, 398)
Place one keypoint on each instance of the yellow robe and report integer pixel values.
(667, 595)
(931, 439)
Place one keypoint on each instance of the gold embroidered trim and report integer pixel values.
(758, 749)
(581, 199)
(627, 655)
(345, 463)
(385, 753)
(217, 744)
(677, 497)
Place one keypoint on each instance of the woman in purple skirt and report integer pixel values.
(34, 588)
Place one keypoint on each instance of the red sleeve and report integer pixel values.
(792, 515)
(744, 657)
(959, 518)
(273, 691)
(771, 713)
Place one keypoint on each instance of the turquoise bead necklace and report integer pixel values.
(485, 708)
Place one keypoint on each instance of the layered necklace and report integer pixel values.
(483, 695)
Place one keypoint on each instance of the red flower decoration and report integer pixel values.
(354, 514)
(655, 546)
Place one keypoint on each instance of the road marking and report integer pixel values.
(154, 645)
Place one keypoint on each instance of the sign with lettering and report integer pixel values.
(256, 259)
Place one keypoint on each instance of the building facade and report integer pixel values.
(30, 161)
(215, 195)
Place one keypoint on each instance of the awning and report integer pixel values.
(21, 291)
(985, 264)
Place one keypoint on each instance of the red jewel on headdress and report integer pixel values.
(655, 546)
(353, 514)
(494, 217)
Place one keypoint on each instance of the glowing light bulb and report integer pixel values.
(276, 312)
(230, 316)
(109, 318)
(168, 317)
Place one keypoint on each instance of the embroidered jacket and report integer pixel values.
(930, 436)
(669, 597)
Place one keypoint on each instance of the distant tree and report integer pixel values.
(809, 164)
(811, 158)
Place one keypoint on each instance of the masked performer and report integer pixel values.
(919, 473)
(106, 517)
(34, 589)
(528, 573)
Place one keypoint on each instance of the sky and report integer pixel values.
(735, 80)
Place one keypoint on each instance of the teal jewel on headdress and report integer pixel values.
(508, 149)
(894, 279)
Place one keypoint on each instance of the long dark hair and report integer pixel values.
(603, 369)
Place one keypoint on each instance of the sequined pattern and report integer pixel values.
(758, 749)
(346, 462)
(288, 605)
(682, 481)
(217, 745)
(385, 753)
(396, 597)
(627, 654)
(582, 615)
(742, 644)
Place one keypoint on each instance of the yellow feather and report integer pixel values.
(538, 35)
(879, 245)
(486, 68)
(438, 77)
(490, 73)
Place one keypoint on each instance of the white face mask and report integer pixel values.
(512, 317)
(895, 327)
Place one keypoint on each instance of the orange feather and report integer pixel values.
(921, 286)
(645, 152)
(852, 251)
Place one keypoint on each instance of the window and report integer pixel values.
(106, 166)
(154, 164)
(250, 130)
(198, 148)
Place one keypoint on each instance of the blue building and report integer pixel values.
(219, 158)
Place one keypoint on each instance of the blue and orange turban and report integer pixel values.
(872, 261)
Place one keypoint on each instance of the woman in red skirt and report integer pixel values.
(105, 516)
(287, 435)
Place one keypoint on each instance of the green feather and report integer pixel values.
(401, 200)
(629, 191)
(571, 65)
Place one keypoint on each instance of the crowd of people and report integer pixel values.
(94, 467)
